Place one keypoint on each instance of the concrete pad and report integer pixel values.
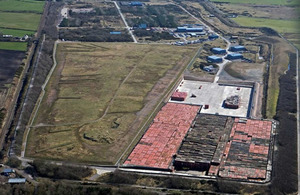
(213, 94)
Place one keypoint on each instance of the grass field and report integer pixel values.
(24, 21)
(17, 46)
(22, 6)
(99, 96)
(282, 26)
(281, 51)
(17, 33)
(262, 2)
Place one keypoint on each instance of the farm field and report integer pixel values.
(260, 11)
(10, 61)
(23, 21)
(18, 18)
(99, 96)
(262, 2)
(282, 26)
(22, 6)
(17, 46)
(245, 71)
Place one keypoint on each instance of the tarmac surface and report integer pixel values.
(213, 95)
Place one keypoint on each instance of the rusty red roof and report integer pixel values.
(179, 96)
(164, 136)
(246, 154)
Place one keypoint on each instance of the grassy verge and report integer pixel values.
(17, 46)
(280, 51)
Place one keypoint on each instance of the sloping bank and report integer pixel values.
(285, 159)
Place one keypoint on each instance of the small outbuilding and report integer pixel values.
(178, 96)
(214, 59)
(136, 3)
(213, 36)
(237, 48)
(16, 180)
(234, 56)
(115, 33)
(192, 34)
(194, 29)
(181, 29)
(209, 68)
(7, 172)
(217, 50)
(143, 26)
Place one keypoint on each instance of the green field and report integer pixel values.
(99, 96)
(23, 21)
(22, 6)
(262, 2)
(282, 26)
(16, 33)
(17, 46)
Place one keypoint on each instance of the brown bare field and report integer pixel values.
(246, 71)
(99, 96)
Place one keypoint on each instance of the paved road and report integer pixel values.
(123, 18)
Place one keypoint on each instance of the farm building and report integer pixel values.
(178, 96)
(201, 33)
(202, 145)
(163, 138)
(213, 36)
(181, 29)
(7, 172)
(186, 29)
(194, 29)
(214, 59)
(143, 26)
(217, 50)
(16, 180)
(115, 33)
(7, 36)
(234, 56)
(209, 68)
(136, 3)
(237, 48)
(192, 34)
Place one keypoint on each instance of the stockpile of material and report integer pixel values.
(232, 102)
(201, 143)
(163, 138)
(178, 96)
(246, 154)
